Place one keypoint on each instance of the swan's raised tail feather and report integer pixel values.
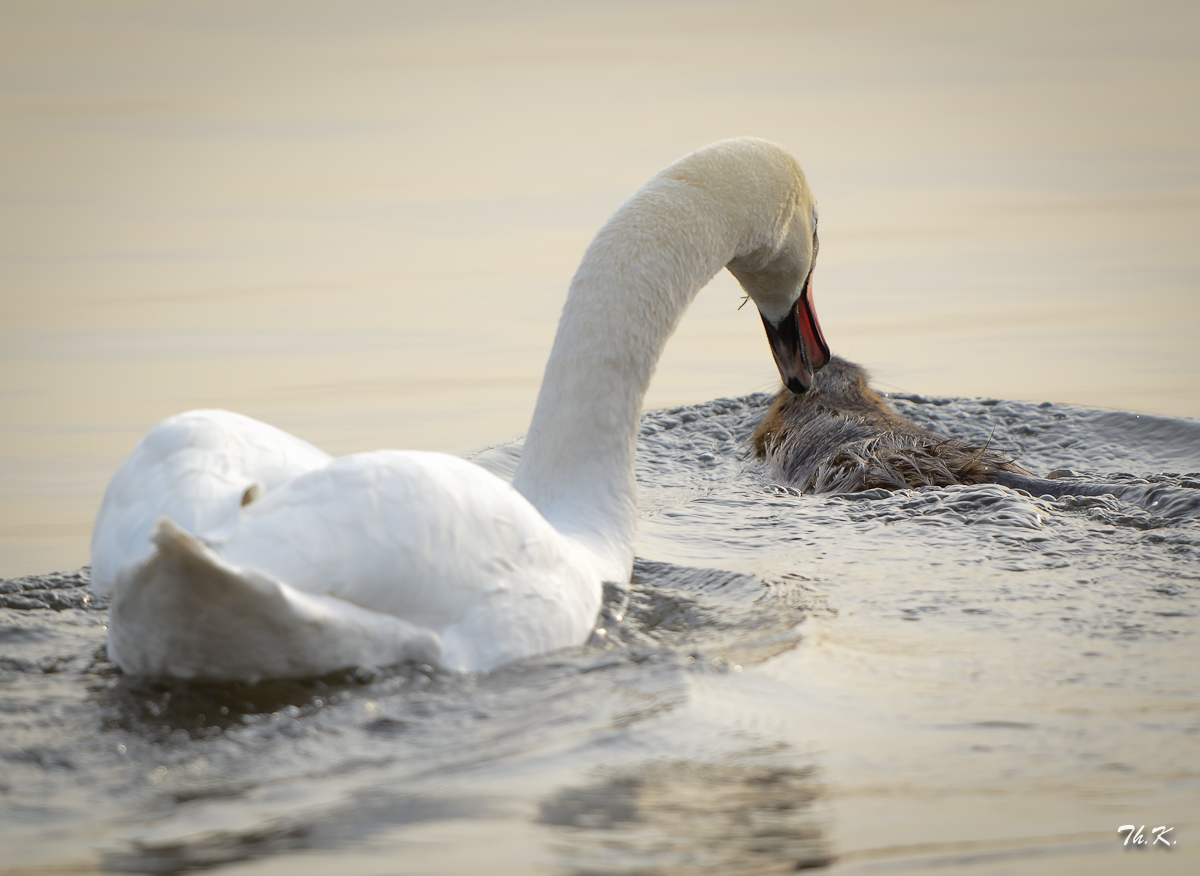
(196, 616)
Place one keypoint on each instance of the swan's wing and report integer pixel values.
(186, 613)
(431, 539)
(194, 468)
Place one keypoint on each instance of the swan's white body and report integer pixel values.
(235, 551)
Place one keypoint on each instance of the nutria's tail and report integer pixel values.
(1160, 499)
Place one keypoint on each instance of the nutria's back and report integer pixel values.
(842, 436)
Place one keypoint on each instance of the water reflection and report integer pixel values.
(752, 814)
(338, 829)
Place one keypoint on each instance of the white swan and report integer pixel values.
(235, 551)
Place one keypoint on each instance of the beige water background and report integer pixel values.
(358, 221)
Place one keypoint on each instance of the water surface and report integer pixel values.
(969, 678)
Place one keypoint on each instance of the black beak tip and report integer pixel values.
(797, 386)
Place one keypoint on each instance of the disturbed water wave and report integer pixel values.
(698, 730)
(368, 748)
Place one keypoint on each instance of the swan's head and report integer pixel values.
(795, 334)
(776, 271)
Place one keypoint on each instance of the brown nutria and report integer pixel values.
(841, 437)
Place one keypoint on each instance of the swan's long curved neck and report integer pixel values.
(636, 279)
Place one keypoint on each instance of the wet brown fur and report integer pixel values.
(841, 437)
